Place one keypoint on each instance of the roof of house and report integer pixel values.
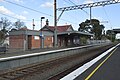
(63, 28)
(24, 31)
(75, 32)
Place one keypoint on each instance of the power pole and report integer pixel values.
(55, 24)
(90, 15)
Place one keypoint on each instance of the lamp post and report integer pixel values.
(41, 34)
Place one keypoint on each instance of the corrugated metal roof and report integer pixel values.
(75, 32)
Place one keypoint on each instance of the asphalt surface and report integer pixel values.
(108, 68)
(14, 52)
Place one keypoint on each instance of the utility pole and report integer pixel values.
(55, 24)
(90, 15)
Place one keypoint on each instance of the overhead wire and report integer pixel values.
(30, 20)
(72, 2)
(27, 8)
(107, 17)
(75, 5)
(34, 10)
(9, 16)
(69, 1)
(15, 17)
(66, 1)
(81, 9)
(70, 15)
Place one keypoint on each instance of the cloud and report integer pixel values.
(4, 10)
(25, 12)
(20, 17)
(1, 0)
(18, 1)
(100, 0)
(47, 5)
(92, 1)
(88, 1)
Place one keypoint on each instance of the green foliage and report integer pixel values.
(83, 40)
(110, 35)
(92, 26)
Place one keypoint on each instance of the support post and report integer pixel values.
(55, 24)
(41, 34)
(90, 15)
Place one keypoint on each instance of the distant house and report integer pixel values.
(30, 39)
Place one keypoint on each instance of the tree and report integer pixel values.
(84, 26)
(2, 37)
(5, 26)
(110, 35)
(92, 26)
(18, 24)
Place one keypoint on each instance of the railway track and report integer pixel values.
(53, 69)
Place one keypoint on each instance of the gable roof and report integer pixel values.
(63, 28)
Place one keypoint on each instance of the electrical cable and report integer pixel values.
(107, 17)
(27, 8)
(15, 17)
(31, 20)
(33, 9)
(10, 16)
(71, 15)
(66, 1)
(81, 9)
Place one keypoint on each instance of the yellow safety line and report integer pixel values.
(99, 65)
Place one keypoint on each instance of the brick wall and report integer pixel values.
(35, 42)
(17, 41)
(48, 41)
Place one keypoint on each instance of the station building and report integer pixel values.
(31, 39)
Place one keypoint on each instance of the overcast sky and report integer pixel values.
(44, 8)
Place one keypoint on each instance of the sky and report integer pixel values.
(44, 8)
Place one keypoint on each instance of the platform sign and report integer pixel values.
(41, 35)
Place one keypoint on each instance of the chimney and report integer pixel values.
(47, 22)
